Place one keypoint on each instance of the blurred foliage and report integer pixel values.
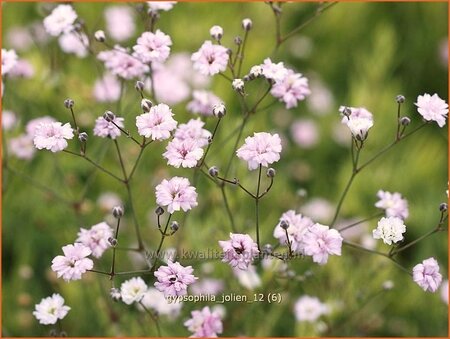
(363, 53)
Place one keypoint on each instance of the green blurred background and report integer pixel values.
(356, 54)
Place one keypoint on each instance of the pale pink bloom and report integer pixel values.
(185, 153)
(203, 102)
(161, 5)
(444, 291)
(96, 238)
(155, 300)
(291, 89)
(321, 100)
(273, 71)
(305, 133)
(193, 129)
(432, 108)
(355, 112)
(427, 275)
(106, 201)
(210, 59)
(170, 87)
(239, 251)
(74, 43)
(120, 22)
(19, 38)
(9, 120)
(298, 226)
(107, 89)
(207, 286)
(50, 310)
(105, 129)
(9, 60)
(133, 290)
(181, 65)
(249, 278)
(22, 69)
(390, 229)
(119, 62)
(22, 147)
(73, 263)
(153, 47)
(204, 323)
(309, 309)
(393, 203)
(33, 124)
(261, 149)
(359, 127)
(320, 241)
(61, 20)
(157, 124)
(176, 193)
(318, 209)
(174, 279)
(52, 136)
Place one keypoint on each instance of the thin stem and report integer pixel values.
(225, 76)
(152, 82)
(257, 207)
(240, 56)
(143, 146)
(227, 208)
(341, 200)
(267, 189)
(241, 129)
(154, 318)
(356, 223)
(77, 130)
(209, 144)
(163, 236)
(288, 243)
(133, 212)
(121, 160)
(113, 265)
(253, 109)
(99, 272)
(127, 133)
(236, 182)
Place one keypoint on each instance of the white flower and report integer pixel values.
(60, 20)
(133, 290)
(161, 5)
(309, 309)
(432, 108)
(155, 300)
(216, 32)
(50, 309)
(9, 60)
(359, 127)
(390, 229)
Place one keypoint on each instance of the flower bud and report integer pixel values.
(267, 248)
(159, 210)
(100, 36)
(302, 193)
(388, 285)
(443, 207)
(255, 72)
(284, 224)
(238, 85)
(146, 105)
(238, 40)
(69, 103)
(213, 171)
(400, 99)
(174, 226)
(115, 293)
(216, 32)
(247, 24)
(139, 86)
(405, 121)
(109, 116)
(112, 241)
(117, 212)
(219, 110)
(83, 136)
(271, 172)
(246, 78)
(346, 111)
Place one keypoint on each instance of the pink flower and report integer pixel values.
(444, 291)
(276, 72)
(170, 87)
(293, 88)
(239, 251)
(122, 64)
(107, 89)
(96, 238)
(22, 147)
(153, 47)
(9, 120)
(61, 20)
(203, 102)
(298, 226)
(22, 69)
(157, 124)
(33, 124)
(305, 133)
(185, 153)
(204, 323)
(393, 203)
(210, 59)
(9, 60)
(74, 43)
(193, 130)
(427, 275)
(105, 129)
(207, 286)
(51, 309)
(52, 136)
(261, 149)
(320, 242)
(432, 108)
(176, 193)
(355, 112)
(73, 263)
(120, 22)
(174, 279)
(156, 6)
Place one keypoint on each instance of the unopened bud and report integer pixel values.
(405, 121)
(112, 241)
(267, 248)
(159, 210)
(238, 85)
(238, 40)
(146, 105)
(247, 24)
(271, 172)
(346, 111)
(69, 103)
(100, 36)
(443, 207)
(139, 86)
(219, 110)
(174, 226)
(83, 136)
(115, 293)
(213, 171)
(255, 72)
(400, 99)
(216, 32)
(78, 26)
(117, 212)
(302, 193)
(109, 116)
(284, 224)
(246, 78)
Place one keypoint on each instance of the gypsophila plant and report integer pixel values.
(200, 178)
